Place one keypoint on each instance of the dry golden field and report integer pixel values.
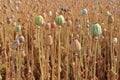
(59, 39)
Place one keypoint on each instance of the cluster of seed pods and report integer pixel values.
(60, 40)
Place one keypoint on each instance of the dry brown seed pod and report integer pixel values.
(19, 20)
(110, 19)
(49, 40)
(14, 23)
(48, 26)
(9, 20)
(53, 25)
(15, 44)
(69, 23)
(75, 45)
(44, 15)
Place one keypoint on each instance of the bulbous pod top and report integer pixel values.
(21, 39)
(84, 11)
(49, 40)
(96, 29)
(59, 20)
(18, 28)
(75, 45)
(39, 20)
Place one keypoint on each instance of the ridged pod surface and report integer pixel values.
(59, 20)
(39, 20)
(96, 29)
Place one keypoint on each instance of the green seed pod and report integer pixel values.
(18, 28)
(60, 20)
(39, 20)
(96, 29)
(84, 11)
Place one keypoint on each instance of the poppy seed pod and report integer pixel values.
(48, 26)
(108, 13)
(9, 20)
(18, 28)
(115, 40)
(84, 11)
(50, 13)
(96, 29)
(60, 20)
(15, 44)
(69, 23)
(44, 15)
(39, 20)
(21, 39)
(49, 40)
(75, 45)
(110, 19)
(53, 25)
(77, 26)
(14, 24)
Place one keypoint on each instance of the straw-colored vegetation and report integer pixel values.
(59, 40)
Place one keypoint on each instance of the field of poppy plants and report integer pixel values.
(59, 39)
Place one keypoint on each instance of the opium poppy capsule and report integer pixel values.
(48, 26)
(53, 25)
(14, 23)
(115, 40)
(39, 20)
(18, 28)
(75, 45)
(108, 13)
(77, 26)
(50, 13)
(44, 15)
(84, 11)
(21, 39)
(9, 20)
(15, 44)
(69, 23)
(96, 29)
(59, 20)
(49, 40)
(110, 19)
